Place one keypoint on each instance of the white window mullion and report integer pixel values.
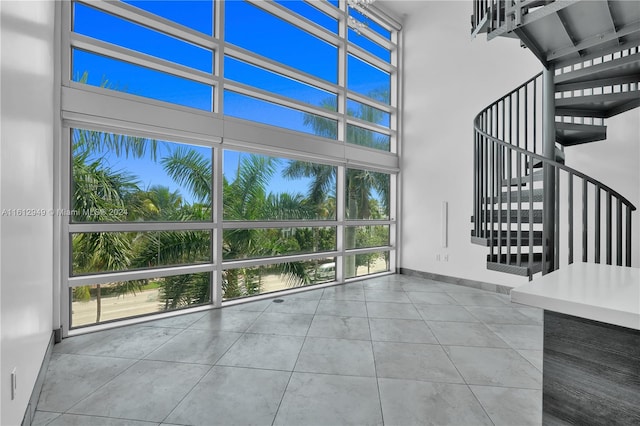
(150, 20)
(367, 250)
(278, 99)
(217, 172)
(65, 240)
(343, 27)
(103, 48)
(218, 55)
(217, 199)
(138, 227)
(340, 216)
(390, 108)
(296, 20)
(279, 224)
(368, 222)
(65, 50)
(370, 126)
(278, 68)
(249, 263)
(342, 78)
(394, 214)
(371, 59)
(139, 274)
(130, 128)
(326, 7)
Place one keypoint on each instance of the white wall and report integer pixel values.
(449, 78)
(26, 182)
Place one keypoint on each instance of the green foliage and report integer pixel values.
(185, 290)
(192, 170)
(99, 187)
(81, 294)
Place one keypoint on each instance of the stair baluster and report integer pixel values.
(509, 220)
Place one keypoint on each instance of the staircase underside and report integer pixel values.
(600, 106)
(613, 69)
(569, 134)
(564, 32)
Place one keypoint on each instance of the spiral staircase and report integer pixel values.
(532, 212)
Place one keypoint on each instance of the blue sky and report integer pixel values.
(246, 26)
(150, 173)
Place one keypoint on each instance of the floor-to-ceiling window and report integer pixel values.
(218, 150)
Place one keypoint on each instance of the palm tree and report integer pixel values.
(360, 184)
(245, 198)
(155, 203)
(98, 188)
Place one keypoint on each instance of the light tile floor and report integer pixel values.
(393, 350)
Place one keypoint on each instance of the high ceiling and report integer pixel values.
(402, 8)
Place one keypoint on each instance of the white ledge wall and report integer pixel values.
(26, 182)
(448, 79)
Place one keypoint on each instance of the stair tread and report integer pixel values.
(512, 240)
(499, 263)
(570, 134)
(512, 234)
(537, 177)
(579, 126)
(525, 196)
(623, 66)
(505, 232)
(605, 105)
(524, 215)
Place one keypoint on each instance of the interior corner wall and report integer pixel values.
(448, 79)
(26, 183)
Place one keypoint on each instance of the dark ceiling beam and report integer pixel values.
(567, 30)
(613, 20)
(625, 45)
(596, 40)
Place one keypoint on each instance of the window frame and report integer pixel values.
(100, 109)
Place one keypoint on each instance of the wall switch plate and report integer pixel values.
(437, 258)
(445, 257)
(14, 383)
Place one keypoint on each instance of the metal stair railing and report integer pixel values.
(492, 15)
(507, 146)
(487, 14)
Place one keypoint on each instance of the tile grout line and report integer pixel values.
(135, 362)
(215, 363)
(375, 366)
(386, 286)
(293, 369)
(457, 370)
(100, 387)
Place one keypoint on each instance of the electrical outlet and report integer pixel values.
(445, 257)
(14, 383)
(437, 258)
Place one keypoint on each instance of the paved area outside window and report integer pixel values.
(393, 350)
